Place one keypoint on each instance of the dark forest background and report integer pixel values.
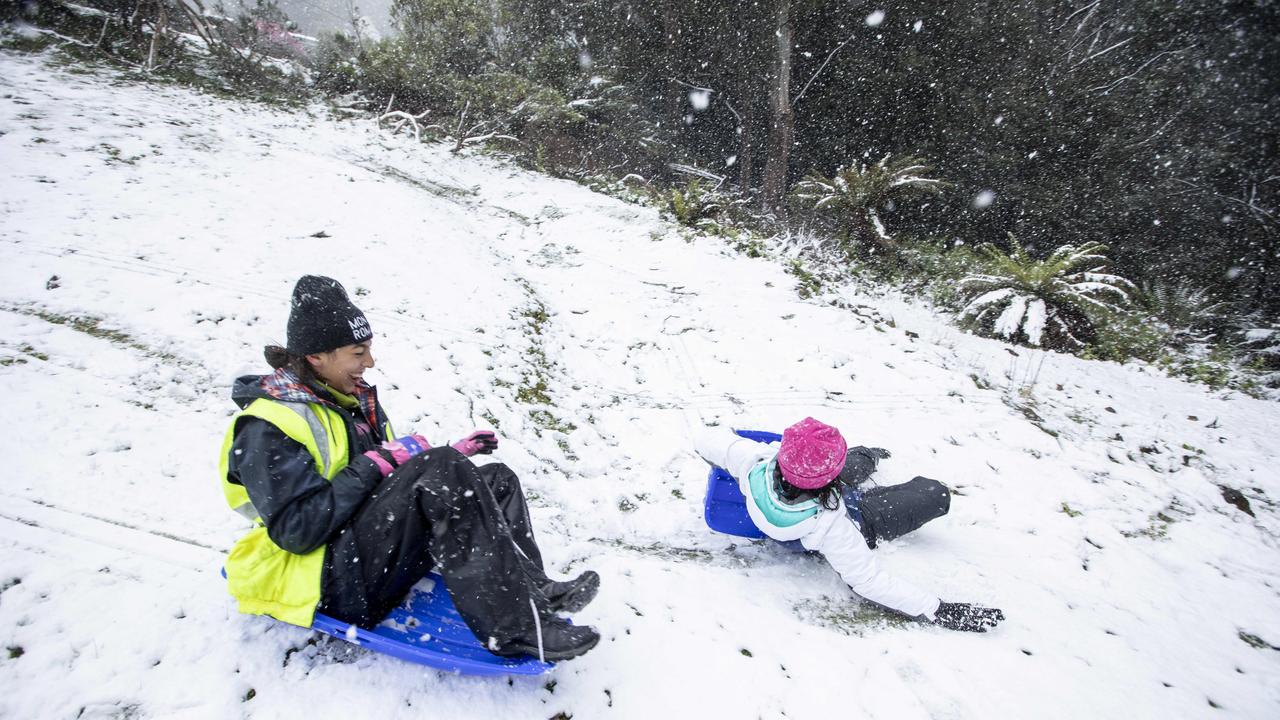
(1147, 128)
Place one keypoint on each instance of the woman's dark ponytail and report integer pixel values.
(278, 357)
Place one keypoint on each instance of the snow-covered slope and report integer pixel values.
(149, 238)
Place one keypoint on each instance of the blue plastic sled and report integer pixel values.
(426, 629)
(725, 509)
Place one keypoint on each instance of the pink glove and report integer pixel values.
(480, 442)
(395, 453)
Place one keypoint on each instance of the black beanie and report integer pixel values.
(323, 318)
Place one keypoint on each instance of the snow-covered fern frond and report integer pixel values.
(1190, 314)
(852, 196)
(1053, 302)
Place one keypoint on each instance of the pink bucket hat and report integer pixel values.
(812, 454)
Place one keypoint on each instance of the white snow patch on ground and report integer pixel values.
(1088, 504)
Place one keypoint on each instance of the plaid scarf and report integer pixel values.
(286, 386)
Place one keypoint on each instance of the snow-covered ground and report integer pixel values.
(149, 238)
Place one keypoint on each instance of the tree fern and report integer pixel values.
(853, 196)
(1053, 302)
(1188, 315)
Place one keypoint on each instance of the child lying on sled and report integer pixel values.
(808, 490)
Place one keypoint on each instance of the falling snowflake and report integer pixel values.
(875, 18)
(983, 199)
(700, 99)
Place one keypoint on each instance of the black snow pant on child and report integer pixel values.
(885, 513)
(440, 510)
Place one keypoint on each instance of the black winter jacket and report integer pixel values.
(300, 508)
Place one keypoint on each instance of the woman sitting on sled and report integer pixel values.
(807, 490)
(348, 517)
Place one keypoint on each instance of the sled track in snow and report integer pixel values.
(40, 526)
(199, 277)
(31, 522)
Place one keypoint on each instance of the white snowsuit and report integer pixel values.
(830, 532)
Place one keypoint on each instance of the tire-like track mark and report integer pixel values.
(23, 516)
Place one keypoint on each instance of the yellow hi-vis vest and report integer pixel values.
(264, 578)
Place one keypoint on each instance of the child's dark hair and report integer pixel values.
(278, 357)
(828, 496)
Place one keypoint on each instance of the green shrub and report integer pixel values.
(1125, 336)
(617, 134)
(1213, 368)
(694, 203)
(457, 34)
(746, 242)
(397, 68)
(1260, 350)
(943, 269)
(336, 64)
(513, 103)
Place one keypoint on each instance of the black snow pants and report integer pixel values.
(440, 510)
(885, 513)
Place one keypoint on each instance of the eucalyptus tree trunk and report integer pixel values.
(746, 151)
(782, 120)
(673, 98)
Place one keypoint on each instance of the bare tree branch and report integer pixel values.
(822, 67)
(1134, 74)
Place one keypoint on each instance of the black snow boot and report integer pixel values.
(559, 641)
(572, 595)
(859, 463)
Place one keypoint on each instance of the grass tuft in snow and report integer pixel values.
(846, 616)
(535, 381)
(1255, 641)
(89, 325)
(1158, 528)
(808, 284)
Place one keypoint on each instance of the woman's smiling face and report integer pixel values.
(341, 369)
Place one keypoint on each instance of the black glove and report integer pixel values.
(966, 617)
